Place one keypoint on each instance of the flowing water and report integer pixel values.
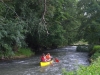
(69, 59)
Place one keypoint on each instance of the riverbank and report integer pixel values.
(93, 68)
(21, 53)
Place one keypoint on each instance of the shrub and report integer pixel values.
(6, 52)
(95, 55)
(95, 52)
(96, 48)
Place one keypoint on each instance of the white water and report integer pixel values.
(69, 59)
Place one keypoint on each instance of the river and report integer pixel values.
(69, 59)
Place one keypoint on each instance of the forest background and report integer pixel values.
(44, 24)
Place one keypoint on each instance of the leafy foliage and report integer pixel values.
(42, 24)
(89, 15)
(55, 37)
(95, 52)
(11, 35)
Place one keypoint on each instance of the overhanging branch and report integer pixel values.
(9, 7)
(44, 13)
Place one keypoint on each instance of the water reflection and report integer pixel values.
(69, 59)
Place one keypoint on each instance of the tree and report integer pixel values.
(49, 23)
(89, 15)
(11, 31)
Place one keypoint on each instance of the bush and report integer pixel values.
(96, 48)
(95, 52)
(95, 55)
(6, 52)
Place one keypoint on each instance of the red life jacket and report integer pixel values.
(43, 58)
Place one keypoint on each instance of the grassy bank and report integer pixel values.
(95, 53)
(92, 69)
(21, 53)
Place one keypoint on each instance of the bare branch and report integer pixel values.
(44, 13)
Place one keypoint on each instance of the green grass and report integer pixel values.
(24, 51)
(96, 52)
(96, 48)
(82, 42)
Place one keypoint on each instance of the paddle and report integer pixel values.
(56, 60)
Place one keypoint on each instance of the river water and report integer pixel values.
(69, 60)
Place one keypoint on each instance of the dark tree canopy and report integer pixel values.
(42, 24)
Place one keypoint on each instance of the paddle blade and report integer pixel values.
(56, 60)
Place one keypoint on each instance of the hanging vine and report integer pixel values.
(42, 24)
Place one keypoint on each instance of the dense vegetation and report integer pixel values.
(44, 24)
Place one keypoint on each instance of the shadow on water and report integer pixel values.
(69, 59)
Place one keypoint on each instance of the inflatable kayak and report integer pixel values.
(46, 63)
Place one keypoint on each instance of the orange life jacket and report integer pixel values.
(48, 56)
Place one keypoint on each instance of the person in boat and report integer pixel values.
(43, 58)
(48, 57)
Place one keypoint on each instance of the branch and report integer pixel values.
(9, 7)
(44, 13)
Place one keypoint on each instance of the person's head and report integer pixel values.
(48, 53)
(43, 54)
